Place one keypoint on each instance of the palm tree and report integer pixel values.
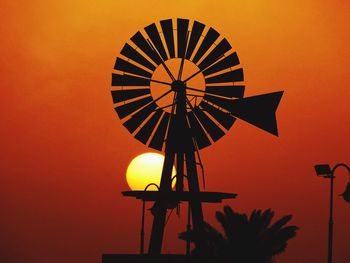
(253, 239)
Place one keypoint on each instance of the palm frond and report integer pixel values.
(252, 239)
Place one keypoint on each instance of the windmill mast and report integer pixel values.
(180, 146)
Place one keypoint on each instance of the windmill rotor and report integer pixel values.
(222, 99)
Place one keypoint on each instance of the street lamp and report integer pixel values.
(325, 171)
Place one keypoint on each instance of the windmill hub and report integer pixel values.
(178, 85)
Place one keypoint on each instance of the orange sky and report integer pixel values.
(64, 152)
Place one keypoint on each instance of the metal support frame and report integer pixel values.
(181, 154)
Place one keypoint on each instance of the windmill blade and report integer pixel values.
(153, 33)
(208, 40)
(139, 117)
(227, 62)
(167, 28)
(196, 33)
(214, 131)
(226, 91)
(126, 109)
(182, 28)
(221, 117)
(129, 80)
(142, 43)
(259, 110)
(127, 94)
(126, 66)
(158, 137)
(145, 132)
(215, 54)
(221, 102)
(131, 53)
(231, 76)
(198, 132)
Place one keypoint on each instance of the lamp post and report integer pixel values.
(325, 171)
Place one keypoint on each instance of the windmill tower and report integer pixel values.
(195, 118)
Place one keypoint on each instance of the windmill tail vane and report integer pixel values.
(181, 128)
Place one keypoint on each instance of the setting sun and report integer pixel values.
(145, 169)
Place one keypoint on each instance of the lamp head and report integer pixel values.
(346, 194)
(323, 170)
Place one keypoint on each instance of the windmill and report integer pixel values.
(195, 117)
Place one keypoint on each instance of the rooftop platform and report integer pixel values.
(206, 197)
(164, 258)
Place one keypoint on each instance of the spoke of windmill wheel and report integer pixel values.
(215, 54)
(153, 33)
(145, 132)
(199, 134)
(173, 107)
(214, 131)
(195, 89)
(227, 62)
(129, 108)
(221, 102)
(194, 95)
(193, 75)
(181, 68)
(172, 110)
(164, 107)
(139, 117)
(189, 104)
(201, 70)
(183, 59)
(131, 80)
(159, 135)
(140, 41)
(162, 96)
(161, 82)
(162, 61)
(192, 99)
(225, 119)
(197, 125)
(223, 91)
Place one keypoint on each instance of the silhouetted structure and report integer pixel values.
(189, 125)
(325, 171)
(253, 239)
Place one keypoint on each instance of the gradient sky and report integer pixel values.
(64, 152)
